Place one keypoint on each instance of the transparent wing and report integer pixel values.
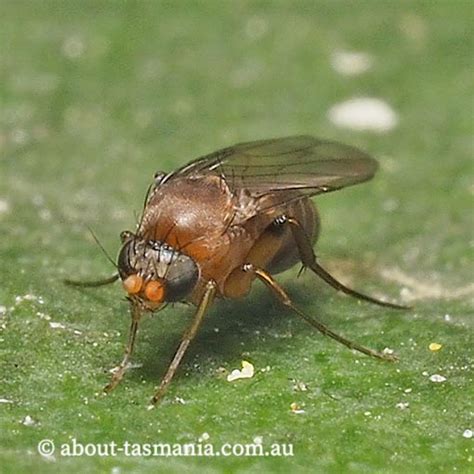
(287, 168)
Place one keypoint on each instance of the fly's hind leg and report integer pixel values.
(136, 313)
(92, 284)
(308, 258)
(188, 336)
(281, 294)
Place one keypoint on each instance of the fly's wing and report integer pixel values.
(284, 169)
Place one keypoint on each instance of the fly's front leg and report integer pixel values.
(136, 313)
(188, 336)
(308, 258)
(281, 294)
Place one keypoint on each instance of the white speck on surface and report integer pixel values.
(3, 310)
(152, 68)
(447, 318)
(4, 206)
(221, 370)
(45, 214)
(43, 316)
(364, 114)
(408, 390)
(390, 205)
(367, 413)
(351, 63)
(402, 405)
(73, 47)
(256, 27)
(180, 400)
(406, 294)
(300, 387)
(388, 351)
(247, 372)
(115, 470)
(135, 365)
(425, 373)
(5, 400)
(247, 73)
(468, 434)
(258, 440)
(55, 325)
(183, 106)
(19, 299)
(130, 365)
(28, 297)
(28, 421)
(38, 200)
(414, 28)
(19, 136)
(436, 378)
(204, 437)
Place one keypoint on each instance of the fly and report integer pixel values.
(240, 214)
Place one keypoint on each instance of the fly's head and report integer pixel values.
(153, 272)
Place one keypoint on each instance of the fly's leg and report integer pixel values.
(308, 258)
(92, 284)
(281, 294)
(122, 368)
(188, 336)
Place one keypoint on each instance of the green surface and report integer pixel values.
(96, 96)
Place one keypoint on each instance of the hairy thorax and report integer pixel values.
(200, 219)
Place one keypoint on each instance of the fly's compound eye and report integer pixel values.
(155, 291)
(127, 256)
(133, 284)
(181, 278)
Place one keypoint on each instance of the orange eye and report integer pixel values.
(133, 284)
(155, 291)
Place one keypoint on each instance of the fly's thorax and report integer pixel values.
(154, 271)
(187, 209)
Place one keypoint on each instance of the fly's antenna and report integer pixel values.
(155, 268)
(168, 232)
(109, 258)
(233, 178)
(145, 202)
(138, 219)
(173, 252)
(147, 195)
(187, 244)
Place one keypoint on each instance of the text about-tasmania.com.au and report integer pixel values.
(49, 448)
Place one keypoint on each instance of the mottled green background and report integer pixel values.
(98, 95)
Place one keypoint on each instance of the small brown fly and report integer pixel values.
(218, 223)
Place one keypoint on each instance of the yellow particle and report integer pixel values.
(296, 408)
(247, 372)
(435, 346)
